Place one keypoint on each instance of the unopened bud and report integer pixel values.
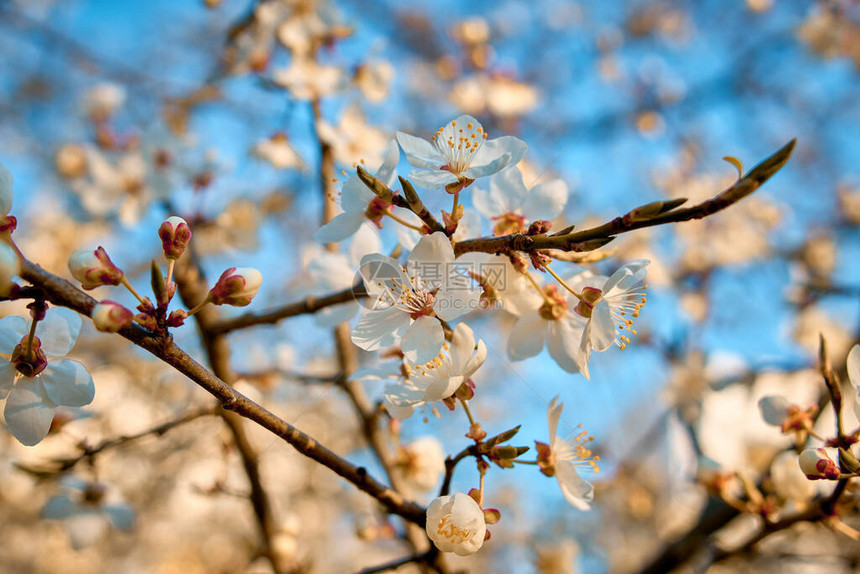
(492, 515)
(110, 317)
(476, 433)
(539, 227)
(6, 181)
(236, 286)
(10, 266)
(94, 268)
(381, 190)
(175, 235)
(177, 318)
(816, 464)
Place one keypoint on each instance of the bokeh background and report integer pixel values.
(114, 115)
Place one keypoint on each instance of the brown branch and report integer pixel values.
(60, 292)
(88, 452)
(308, 305)
(589, 239)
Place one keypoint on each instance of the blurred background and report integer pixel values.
(114, 115)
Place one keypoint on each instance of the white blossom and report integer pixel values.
(456, 524)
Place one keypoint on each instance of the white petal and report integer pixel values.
(442, 388)
(423, 340)
(495, 155)
(340, 228)
(7, 377)
(59, 506)
(419, 152)
(120, 515)
(432, 179)
(602, 333)
(335, 315)
(331, 271)
(526, 338)
(626, 276)
(462, 347)
(456, 301)
(564, 344)
(505, 195)
(774, 409)
(545, 201)
(12, 329)
(86, 528)
(28, 416)
(553, 413)
(365, 242)
(68, 383)
(380, 328)
(355, 196)
(390, 159)
(432, 259)
(575, 489)
(59, 331)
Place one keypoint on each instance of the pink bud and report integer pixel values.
(94, 268)
(817, 464)
(236, 286)
(110, 317)
(175, 235)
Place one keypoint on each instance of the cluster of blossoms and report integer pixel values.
(413, 303)
(36, 378)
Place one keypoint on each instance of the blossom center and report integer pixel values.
(458, 145)
(448, 530)
(376, 210)
(412, 297)
(554, 306)
(29, 360)
(509, 223)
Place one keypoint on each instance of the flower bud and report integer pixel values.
(6, 181)
(110, 317)
(175, 235)
(236, 286)
(10, 266)
(94, 268)
(456, 524)
(817, 464)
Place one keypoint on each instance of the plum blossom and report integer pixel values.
(460, 153)
(359, 203)
(547, 317)
(456, 524)
(438, 378)
(33, 381)
(278, 152)
(88, 509)
(609, 305)
(421, 463)
(410, 300)
(816, 464)
(560, 458)
(513, 206)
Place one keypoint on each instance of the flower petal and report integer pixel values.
(340, 228)
(390, 159)
(381, 274)
(505, 195)
(774, 409)
(423, 340)
(419, 152)
(59, 331)
(526, 338)
(7, 377)
(495, 155)
(333, 316)
(553, 413)
(564, 344)
(432, 259)
(68, 383)
(365, 242)
(12, 329)
(625, 277)
(355, 196)
(432, 179)
(545, 201)
(380, 328)
(455, 301)
(602, 332)
(578, 492)
(28, 416)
